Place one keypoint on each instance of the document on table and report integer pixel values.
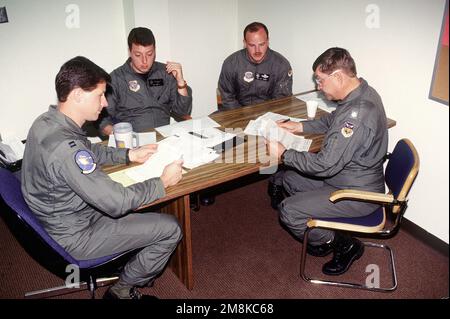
(186, 147)
(324, 103)
(271, 131)
(210, 137)
(254, 127)
(187, 126)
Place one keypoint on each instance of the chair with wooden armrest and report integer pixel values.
(401, 171)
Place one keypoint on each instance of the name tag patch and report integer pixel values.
(155, 82)
(262, 76)
(85, 161)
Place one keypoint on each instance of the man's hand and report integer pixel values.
(291, 126)
(107, 130)
(274, 148)
(143, 153)
(172, 173)
(175, 69)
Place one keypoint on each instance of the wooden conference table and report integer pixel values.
(246, 159)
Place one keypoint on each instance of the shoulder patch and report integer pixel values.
(85, 161)
(347, 130)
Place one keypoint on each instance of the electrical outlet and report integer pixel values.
(3, 15)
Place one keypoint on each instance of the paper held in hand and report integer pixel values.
(265, 126)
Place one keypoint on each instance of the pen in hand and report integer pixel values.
(285, 120)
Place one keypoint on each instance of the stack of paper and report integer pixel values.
(187, 126)
(265, 126)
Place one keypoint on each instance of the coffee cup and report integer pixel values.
(123, 134)
(311, 109)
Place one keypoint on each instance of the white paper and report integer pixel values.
(145, 138)
(154, 166)
(324, 103)
(254, 126)
(94, 139)
(271, 131)
(211, 137)
(187, 126)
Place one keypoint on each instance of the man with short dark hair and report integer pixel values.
(256, 73)
(86, 212)
(352, 156)
(144, 92)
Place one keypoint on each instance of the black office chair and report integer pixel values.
(29, 231)
(401, 170)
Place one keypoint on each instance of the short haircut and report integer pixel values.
(79, 72)
(140, 36)
(254, 27)
(334, 59)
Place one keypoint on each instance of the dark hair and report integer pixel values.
(334, 59)
(78, 72)
(140, 36)
(254, 27)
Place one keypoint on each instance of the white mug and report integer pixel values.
(311, 108)
(123, 134)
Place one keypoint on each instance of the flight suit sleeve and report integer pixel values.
(79, 168)
(319, 126)
(283, 85)
(226, 88)
(181, 105)
(338, 149)
(108, 155)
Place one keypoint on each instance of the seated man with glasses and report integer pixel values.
(351, 156)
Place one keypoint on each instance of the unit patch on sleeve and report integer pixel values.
(347, 130)
(85, 161)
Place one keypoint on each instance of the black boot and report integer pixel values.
(276, 193)
(207, 199)
(346, 251)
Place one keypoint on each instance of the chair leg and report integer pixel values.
(348, 284)
(62, 290)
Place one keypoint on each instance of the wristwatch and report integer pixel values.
(183, 86)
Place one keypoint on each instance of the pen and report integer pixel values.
(285, 120)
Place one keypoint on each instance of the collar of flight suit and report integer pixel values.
(65, 121)
(356, 93)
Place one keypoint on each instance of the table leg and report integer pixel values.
(181, 261)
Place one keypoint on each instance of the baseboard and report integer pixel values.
(425, 237)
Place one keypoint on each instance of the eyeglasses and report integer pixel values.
(320, 81)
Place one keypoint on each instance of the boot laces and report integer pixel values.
(135, 294)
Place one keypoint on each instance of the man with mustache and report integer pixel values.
(256, 73)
